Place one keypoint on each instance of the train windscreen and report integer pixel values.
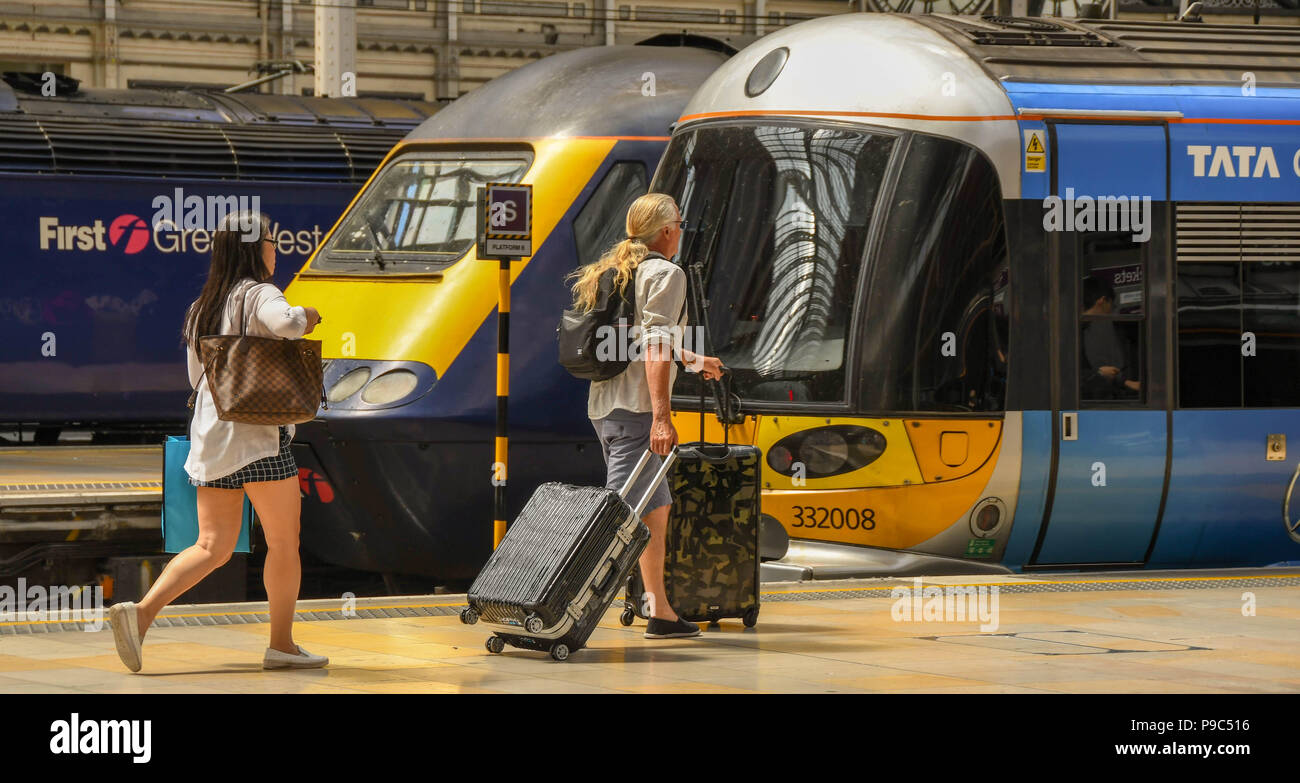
(778, 218)
(418, 216)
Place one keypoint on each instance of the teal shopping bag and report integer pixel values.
(180, 510)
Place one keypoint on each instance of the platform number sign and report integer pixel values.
(505, 221)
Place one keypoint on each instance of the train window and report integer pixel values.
(1111, 326)
(1238, 305)
(420, 213)
(936, 332)
(603, 219)
(1209, 335)
(779, 217)
(1270, 314)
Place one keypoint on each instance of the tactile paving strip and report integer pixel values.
(883, 590)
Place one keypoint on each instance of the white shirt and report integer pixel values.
(219, 448)
(660, 295)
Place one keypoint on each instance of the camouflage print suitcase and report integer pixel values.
(711, 552)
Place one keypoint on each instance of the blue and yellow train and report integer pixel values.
(397, 472)
(93, 290)
(997, 294)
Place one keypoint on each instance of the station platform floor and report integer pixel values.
(95, 494)
(1146, 632)
(49, 474)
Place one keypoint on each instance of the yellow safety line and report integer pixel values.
(52, 450)
(252, 611)
(50, 622)
(52, 484)
(306, 611)
(1063, 582)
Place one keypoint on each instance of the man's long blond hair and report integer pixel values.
(645, 217)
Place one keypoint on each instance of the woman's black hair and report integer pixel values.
(234, 258)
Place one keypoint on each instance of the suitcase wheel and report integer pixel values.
(533, 624)
(751, 618)
(560, 651)
(495, 644)
(627, 617)
(468, 616)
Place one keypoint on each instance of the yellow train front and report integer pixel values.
(397, 471)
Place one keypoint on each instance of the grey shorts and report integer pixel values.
(624, 437)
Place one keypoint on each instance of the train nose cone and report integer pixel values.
(374, 500)
(396, 507)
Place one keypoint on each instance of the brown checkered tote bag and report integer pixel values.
(262, 380)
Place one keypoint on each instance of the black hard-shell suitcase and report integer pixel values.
(711, 560)
(560, 565)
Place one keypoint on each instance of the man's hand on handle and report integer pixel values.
(710, 367)
(663, 436)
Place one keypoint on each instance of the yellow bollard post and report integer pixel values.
(503, 395)
(505, 226)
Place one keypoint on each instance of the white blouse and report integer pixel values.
(660, 294)
(219, 448)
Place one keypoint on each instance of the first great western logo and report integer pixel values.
(131, 234)
(128, 232)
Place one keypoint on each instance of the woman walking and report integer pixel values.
(631, 411)
(228, 459)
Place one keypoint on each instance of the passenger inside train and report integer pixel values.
(1108, 366)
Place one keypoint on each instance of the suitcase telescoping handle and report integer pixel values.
(636, 473)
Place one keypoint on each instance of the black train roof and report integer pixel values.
(1118, 51)
(594, 91)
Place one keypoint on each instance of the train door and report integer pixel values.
(1109, 378)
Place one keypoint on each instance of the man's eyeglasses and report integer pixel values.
(682, 224)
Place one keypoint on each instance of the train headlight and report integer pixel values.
(780, 458)
(826, 451)
(766, 71)
(348, 385)
(390, 387)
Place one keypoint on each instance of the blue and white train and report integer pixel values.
(1021, 292)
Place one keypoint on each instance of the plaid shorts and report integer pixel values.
(280, 466)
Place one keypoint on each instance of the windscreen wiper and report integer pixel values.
(378, 258)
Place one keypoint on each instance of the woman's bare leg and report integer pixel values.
(220, 511)
(279, 506)
(652, 563)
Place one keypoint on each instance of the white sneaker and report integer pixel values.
(124, 618)
(274, 659)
